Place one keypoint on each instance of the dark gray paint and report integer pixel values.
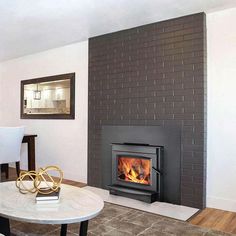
(148, 76)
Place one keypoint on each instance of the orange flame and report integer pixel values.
(135, 170)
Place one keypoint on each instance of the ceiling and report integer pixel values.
(29, 26)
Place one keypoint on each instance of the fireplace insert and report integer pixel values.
(137, 171)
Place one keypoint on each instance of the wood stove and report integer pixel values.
(137, 171)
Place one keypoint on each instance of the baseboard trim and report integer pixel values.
(221, 203)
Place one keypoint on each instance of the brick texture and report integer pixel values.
(153, 75)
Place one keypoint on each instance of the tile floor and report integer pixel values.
(116, 220)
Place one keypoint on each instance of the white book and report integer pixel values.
(47, 201)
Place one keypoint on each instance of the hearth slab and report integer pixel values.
(160, 208)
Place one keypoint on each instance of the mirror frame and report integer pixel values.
(70, 76)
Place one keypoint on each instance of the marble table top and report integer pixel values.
(75, 205)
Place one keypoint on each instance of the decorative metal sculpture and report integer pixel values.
(42, 181)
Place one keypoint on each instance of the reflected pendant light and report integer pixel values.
(37, 93)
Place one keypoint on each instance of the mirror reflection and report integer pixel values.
(47, 97)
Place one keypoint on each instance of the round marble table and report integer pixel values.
(75, 205)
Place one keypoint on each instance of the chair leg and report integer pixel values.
(4, 168)
(0, 172)
(18, 168)
(7, 171)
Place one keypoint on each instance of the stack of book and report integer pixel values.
(48, 198)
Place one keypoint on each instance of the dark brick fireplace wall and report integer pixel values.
(153, 75)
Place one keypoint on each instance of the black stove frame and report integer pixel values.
(144, 192)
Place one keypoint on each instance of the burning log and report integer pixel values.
(133, 169)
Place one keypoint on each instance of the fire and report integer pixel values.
(135, 170)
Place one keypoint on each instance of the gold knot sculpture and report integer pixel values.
(41, 180)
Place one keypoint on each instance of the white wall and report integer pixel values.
(221, 170)
(0, 93)
(59, 142)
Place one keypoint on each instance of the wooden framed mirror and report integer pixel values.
(51, 97)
